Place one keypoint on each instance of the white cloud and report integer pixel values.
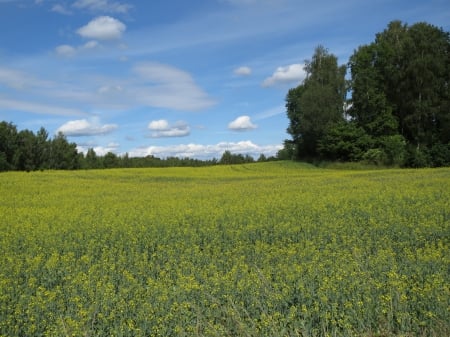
(206, 151)
(103, 28)
(149, 85)
(169, 87)
(243, 71)
(65, 50)
(99, 150)
(58, 8)
(289, 74)
(102, 6)
(34, 107)
(13, 78)
(161, 124)
(90, 45)
(162, 128)
(83, 127)
(242, 123)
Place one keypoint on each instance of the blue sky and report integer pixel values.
(176, 77)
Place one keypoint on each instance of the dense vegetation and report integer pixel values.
(26, 151)
(266, 249)
(399, 110)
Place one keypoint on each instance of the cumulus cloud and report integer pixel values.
(83, 127)
(102, 6)
(289, 74)
(159, 125)
(243, 71)
(206, 151)
(169, 87)
(162, 128)
(103, 28)
(242, 123)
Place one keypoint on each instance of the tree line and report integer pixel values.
(28, 151)
(398, 112)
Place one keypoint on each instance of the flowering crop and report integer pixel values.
(267, 249)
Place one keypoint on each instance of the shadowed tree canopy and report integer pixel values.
(400, 86)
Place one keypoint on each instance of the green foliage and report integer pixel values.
(266, 249)
(8, 145)
(440, 154)
(400, 97)
(63, 155)
(26, 151)
(317, 103)
(400, 88)
(394, 148)
(344, 141)
(229, 158)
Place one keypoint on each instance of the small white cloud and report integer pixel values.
(65, 50)
(242, 123)
(90, 45)
(289, 74)
(102, 6)
(159, 125)
(83, 127)
(162, 128)
(103, 28)
(243, 71)
(58, 8)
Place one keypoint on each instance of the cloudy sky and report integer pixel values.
(176, 77)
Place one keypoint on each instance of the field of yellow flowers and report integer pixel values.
(266, 249)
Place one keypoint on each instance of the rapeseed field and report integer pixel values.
(266, 249)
